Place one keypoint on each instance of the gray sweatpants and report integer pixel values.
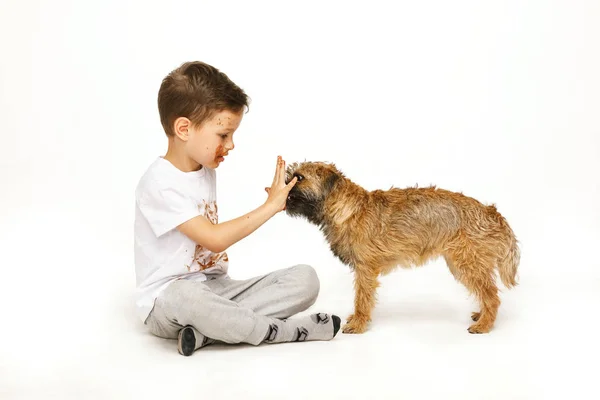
(233, 311)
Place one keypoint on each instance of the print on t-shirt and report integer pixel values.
(204, 258)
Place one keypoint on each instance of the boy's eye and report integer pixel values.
(223, 136)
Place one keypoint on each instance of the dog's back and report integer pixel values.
(428, 222)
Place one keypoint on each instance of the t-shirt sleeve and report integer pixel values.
(165, 208)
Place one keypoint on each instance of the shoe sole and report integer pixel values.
(186, 342)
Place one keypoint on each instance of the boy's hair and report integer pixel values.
(197, 91)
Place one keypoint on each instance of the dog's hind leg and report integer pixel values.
(456, 273)
(476, 273)
(487, 294)
(365, 286)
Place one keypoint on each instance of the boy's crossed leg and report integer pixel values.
(242, 311)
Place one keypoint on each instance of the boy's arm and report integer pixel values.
(218, 238)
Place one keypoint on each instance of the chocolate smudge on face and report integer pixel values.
(219, 152)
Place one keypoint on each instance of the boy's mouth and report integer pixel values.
(220, 153)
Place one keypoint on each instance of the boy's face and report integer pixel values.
(209, 143)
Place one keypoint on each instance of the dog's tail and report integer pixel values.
(508, 264)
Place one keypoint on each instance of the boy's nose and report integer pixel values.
(230, 146)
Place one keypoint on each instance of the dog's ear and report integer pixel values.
(330, 181)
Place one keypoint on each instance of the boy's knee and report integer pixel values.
(308, 282)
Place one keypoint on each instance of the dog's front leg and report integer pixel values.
(365, 286)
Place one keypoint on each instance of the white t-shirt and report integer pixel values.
(165, 198)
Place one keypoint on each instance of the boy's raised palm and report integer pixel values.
(278, 192)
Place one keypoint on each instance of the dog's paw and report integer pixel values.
(355, 325)
(353, 328)
(350, 317)
(479, 328)
(475, 316)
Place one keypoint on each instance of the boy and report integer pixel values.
(183, 289)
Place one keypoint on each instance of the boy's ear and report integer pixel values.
(181, 127)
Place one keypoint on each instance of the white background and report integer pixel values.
(498, 100)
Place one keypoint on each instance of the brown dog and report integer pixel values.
(374, 232)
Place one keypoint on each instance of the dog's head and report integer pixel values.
(316, 180)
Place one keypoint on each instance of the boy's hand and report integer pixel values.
(278, 192)
(219, 237)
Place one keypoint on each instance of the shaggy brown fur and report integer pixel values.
(374, 232)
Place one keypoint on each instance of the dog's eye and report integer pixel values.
(299, 177)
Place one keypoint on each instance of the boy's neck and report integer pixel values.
(176, 156)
